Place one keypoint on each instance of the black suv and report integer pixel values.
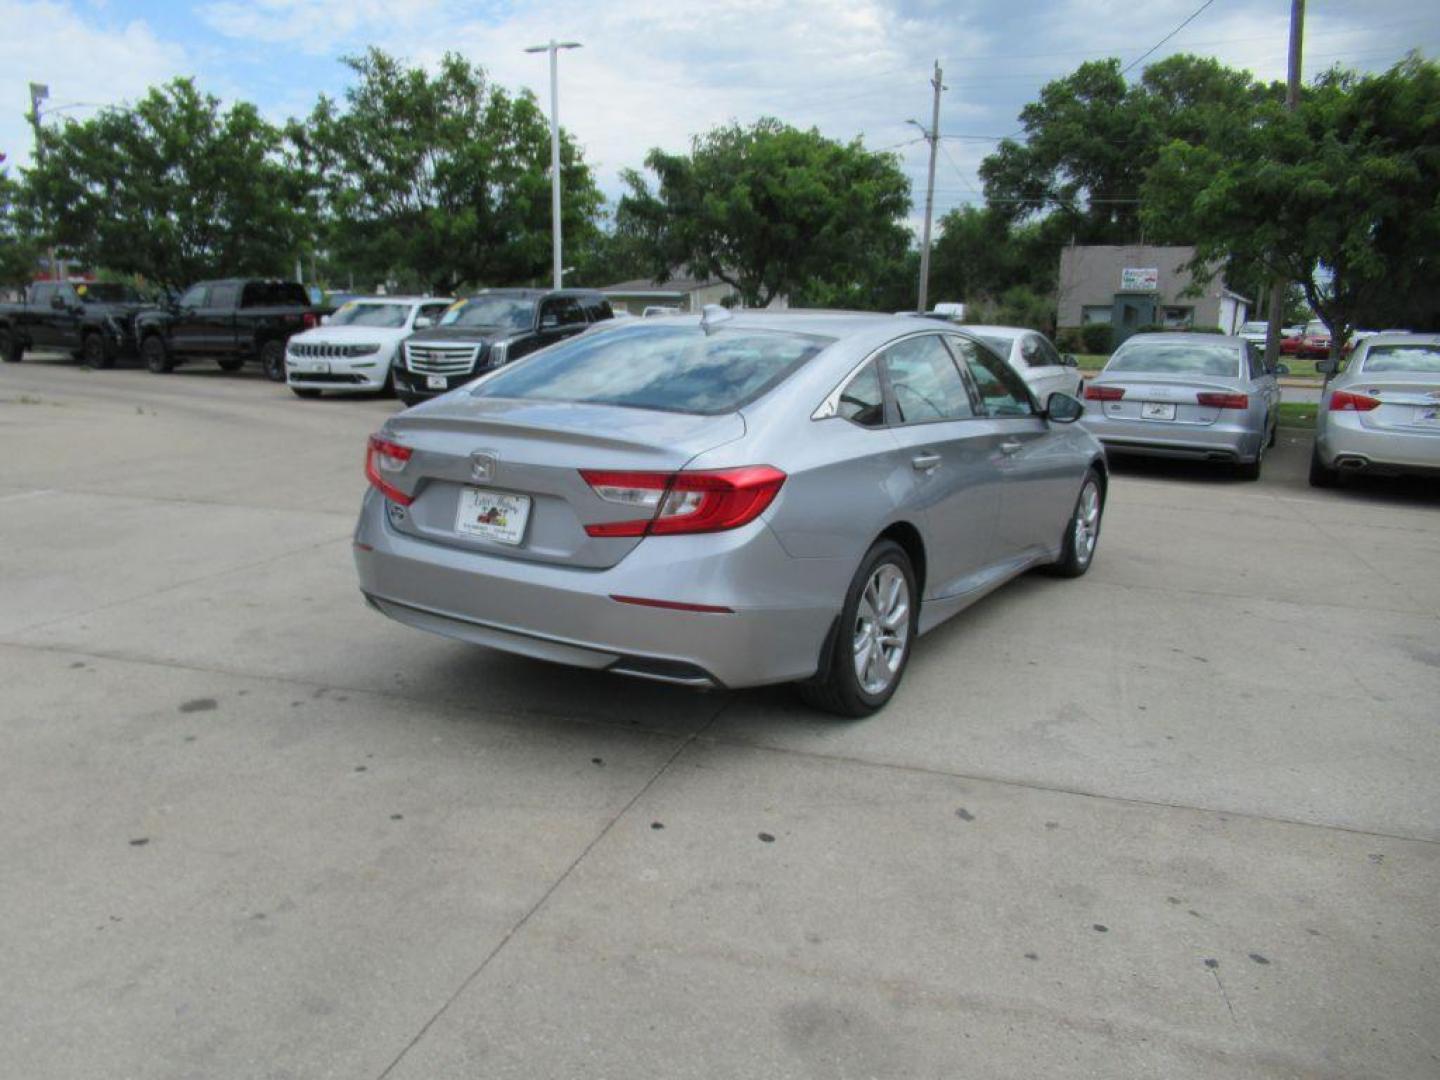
(489, 329)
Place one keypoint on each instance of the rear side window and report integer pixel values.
(1002, 392)
(275, 294)
(1177, 358)
(1421, 359)
(597, 309)
(223, 296)
(565, 310)
(862, 401)
(924, 382)
(670, 368)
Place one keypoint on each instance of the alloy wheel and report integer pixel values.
(882, 629)
(1087, 522)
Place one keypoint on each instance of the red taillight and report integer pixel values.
(383, 457)
(1346, 401)
(684, 502)
(1224, 401)
(673, 605)
(310, 319)
(1104, 393)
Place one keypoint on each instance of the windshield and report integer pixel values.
(1177, 358)
(671, 368)
(1421, 359)
(391, 316)
(504, 312)
(107, 294)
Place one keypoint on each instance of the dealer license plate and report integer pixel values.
(436, 382)
(1157, 410)
(492, 515)
(318, 367)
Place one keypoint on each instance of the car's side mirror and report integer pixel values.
(1068, 359)
(1325, 367)
(1282, 369)
(423, 322)
(1063, 409)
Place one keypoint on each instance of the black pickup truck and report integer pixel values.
(229, 322)
(93, 322)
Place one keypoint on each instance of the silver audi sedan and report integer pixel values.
(1186, 395)
(1382, 413)
(730, 500)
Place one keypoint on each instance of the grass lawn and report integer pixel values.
(1297, 414)
(1091, 361)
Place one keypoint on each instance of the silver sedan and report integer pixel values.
(1184, 395)
(733, 500)
(1382, 413)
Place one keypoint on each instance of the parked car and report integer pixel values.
(1037, 360)
(1381, 413)
(1315, 342)
(1292, 340)
(744, 498)
(491, 329)
(1255, 332)
(230, 322)
(354, 350)
(1193, 396)
(95, 322)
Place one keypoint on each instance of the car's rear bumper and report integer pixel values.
(1343, 442)
(1194, 442)
(780, 612)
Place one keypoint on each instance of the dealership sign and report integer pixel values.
(1140, 279)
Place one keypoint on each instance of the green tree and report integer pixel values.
(20, 245)
(440, 179)
(1341, 195)
(173, 189)
(771, 209)
(1091, 138)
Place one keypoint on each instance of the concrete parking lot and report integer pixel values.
(1179, 818)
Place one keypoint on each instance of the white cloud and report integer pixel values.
(80, 58)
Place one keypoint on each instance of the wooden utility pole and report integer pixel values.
(933, 135)
(1292, 101)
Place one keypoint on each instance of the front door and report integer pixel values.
(187, 333)
(1131, 311)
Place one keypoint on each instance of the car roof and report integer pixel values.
(1406, 338)
(817, 321)
(997, 331)
(1183, 337)
(399, 299)
(533, 294)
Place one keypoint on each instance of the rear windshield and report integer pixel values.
(1177, 358)
(671, 368)
(1422, 359)
(360, 314)
(275, 294)
(999, 344)
(502, 312)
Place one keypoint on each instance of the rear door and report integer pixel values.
(1037, 485)
(952, 453)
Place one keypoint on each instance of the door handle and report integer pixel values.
(1011, 447)
(925, 462)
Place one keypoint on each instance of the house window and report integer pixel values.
(1094, 313)
(1179, 317)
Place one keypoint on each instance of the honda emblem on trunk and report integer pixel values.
(483, 464)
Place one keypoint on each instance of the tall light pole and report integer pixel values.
(40, 92)
(553, 48)
(933, 136)
(1279, 287)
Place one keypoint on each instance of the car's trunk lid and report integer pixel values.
(1162, 397)
(1409, 401)
(466, 452)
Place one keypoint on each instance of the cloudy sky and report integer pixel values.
(654, 74)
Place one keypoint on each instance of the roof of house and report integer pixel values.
(669, 285)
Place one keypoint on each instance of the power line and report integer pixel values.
(1192, 17)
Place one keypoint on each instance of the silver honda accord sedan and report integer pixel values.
(730, 500)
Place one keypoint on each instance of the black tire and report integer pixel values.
(1250, 470)
(305, 391)
(94, 352)
(156, 355)
(1076, 556)
(837, 687)
(272, 360)
(388, 388)
(11, 351)
(1274, 435)
(231, 363)
(1321, 475)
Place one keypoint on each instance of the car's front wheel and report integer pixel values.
(10, 349)
(876, 630)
